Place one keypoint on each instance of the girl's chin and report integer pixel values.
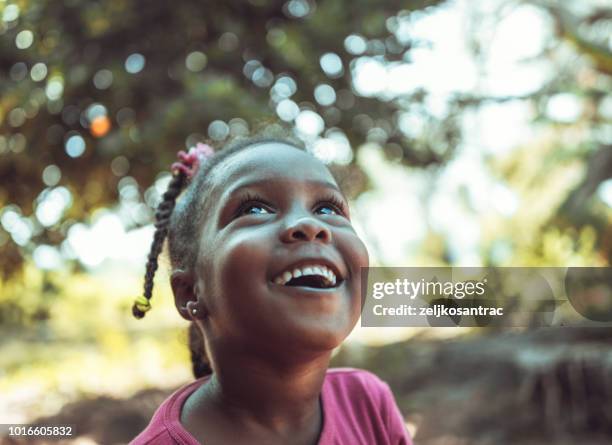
(321, 338)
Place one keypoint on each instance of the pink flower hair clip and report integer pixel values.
(190, 162)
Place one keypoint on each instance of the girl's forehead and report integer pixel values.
(271, 160)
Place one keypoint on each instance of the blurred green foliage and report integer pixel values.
(94, 93)
(97, 97)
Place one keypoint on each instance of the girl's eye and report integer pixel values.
(255, 205)
(332, 206)
(254, 209)
(329, 210)
(252, 205)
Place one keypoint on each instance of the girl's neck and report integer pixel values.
(270, 395)
(260, 400)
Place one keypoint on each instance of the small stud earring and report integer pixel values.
(194, 311)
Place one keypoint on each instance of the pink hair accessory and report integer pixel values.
(190, 162)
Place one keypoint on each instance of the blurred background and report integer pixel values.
(466, 133)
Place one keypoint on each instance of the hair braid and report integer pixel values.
(200, 364)
(162, 219)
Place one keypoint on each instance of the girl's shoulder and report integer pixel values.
(350, 384)
(355, 377)
(359, 407)
(165, 427)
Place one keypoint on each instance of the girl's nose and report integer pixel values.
(306, 229)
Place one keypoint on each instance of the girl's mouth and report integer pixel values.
(314, 276)
(315, 281)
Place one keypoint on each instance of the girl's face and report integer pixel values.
(272, 210)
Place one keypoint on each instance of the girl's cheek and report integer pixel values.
(359, 251)
(366, 254)
(241, 258)
(361, 254)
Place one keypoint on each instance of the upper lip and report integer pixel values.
(312, 261)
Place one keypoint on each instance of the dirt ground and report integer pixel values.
(550, 386)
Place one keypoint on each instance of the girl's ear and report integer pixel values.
(183, 287)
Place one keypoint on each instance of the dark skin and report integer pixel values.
(270, 345)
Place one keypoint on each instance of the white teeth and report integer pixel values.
(322, 271)
(331, 276)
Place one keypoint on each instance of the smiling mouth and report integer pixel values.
(314, 277)
(314, 281)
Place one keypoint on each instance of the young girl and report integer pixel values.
(266, 264)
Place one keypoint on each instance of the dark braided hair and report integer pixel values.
(200, 365)
(181, 222)
(162, 219)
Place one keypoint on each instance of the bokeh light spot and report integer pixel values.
(604, 191)
(263, 77)
(17, 143)
(564, 107)
(17, 117)
(238, 127)
(218, 130)
(103, 79)
(355, 44)
(283, 88)
(120, 166)
(47, 257)
(196, 61)
(276, 37)
(369, 77)
(51, 204)
(18, 71)
(100, 126)
(325, 94)
(51, 175)
(331, 64)
(287, 110)
(309, 123)
(228, 41)
(75, 145)
(10, 13)
(297, 8)
(24, 39)
(38, 72)
(17, 225)
(135, 63)
(94, 111)
(55, 88)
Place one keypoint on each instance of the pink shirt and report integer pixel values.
(358, 408)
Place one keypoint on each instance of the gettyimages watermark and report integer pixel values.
(487, 296)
